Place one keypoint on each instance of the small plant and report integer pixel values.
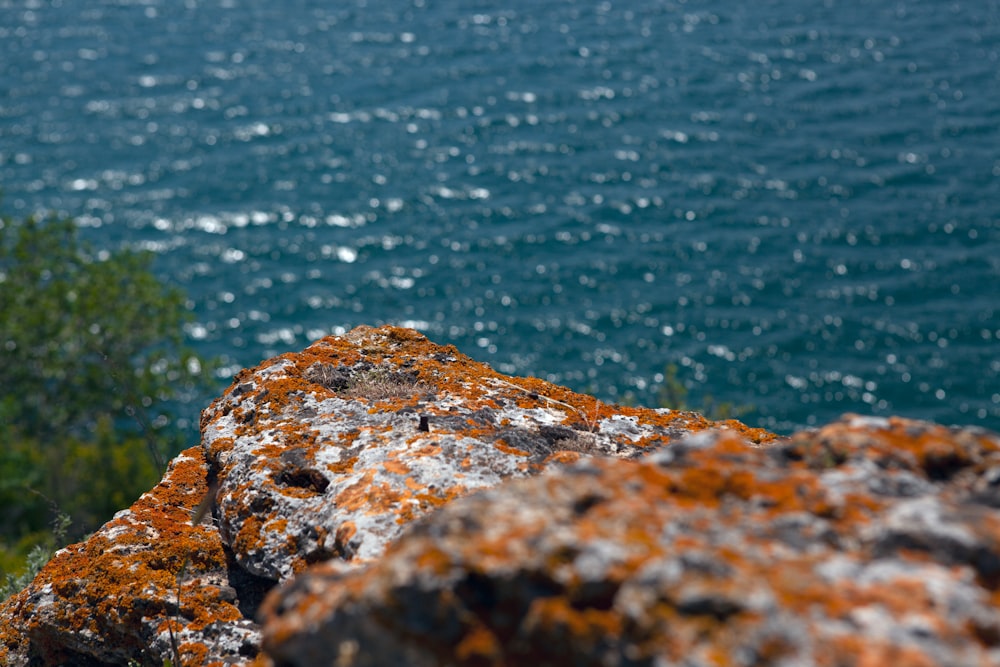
(367, 381)
(333, 377)
(382, 383)
(674, 395)
(39, 555)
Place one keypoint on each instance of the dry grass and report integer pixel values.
(374, 383)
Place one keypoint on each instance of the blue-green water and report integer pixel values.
(796, 202)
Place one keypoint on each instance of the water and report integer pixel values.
(796, 203)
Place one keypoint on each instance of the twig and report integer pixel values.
(170, 627)
(591, 423)
(206, 505)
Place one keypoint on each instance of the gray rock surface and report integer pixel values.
(326, 455)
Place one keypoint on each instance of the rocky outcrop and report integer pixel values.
(396, 502)
(868, 542)
(147, 586)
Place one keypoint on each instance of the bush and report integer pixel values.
(94, 368)
(673, 394)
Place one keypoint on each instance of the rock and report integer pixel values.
(148, 581)
(329, 453)
(867, 542)
(319, 457)
(379, 499)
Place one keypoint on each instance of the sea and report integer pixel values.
(787, 209)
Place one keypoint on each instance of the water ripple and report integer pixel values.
(793, 204)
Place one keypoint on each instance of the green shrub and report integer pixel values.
(94, 368)
(673, 394)
(21, 569)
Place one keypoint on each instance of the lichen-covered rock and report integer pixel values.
(868, 542)
(329, 453)
(320, 456)
(147, 586)
(419, 508)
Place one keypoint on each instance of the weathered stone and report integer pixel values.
(320, 456)
(329, 453)
(147, 586)
(404, 504)
(867, 542)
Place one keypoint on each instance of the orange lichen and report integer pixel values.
(355, 496)
(220, 446)
(562, 622)
(347, 438)
(708, 485)
(248, 538)
(345, 532)
(507, 449)
(397, 467)
(433, 560)
(427, 450)
(106, 589)
(342, 467)
(276, 525)
(442, 497)
(479, 646)
(562, 456)
(193, 654)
